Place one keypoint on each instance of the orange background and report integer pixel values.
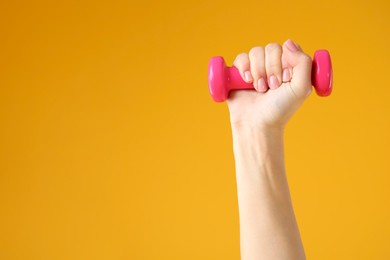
(111, 148)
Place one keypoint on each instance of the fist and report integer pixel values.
(281, 76)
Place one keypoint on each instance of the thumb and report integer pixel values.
(301, 64)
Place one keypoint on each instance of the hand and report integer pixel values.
(281, 76)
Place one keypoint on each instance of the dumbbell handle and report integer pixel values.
(223, 79)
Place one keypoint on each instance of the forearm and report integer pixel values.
(268, 229)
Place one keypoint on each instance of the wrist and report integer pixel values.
(259, 132)
(258, 152)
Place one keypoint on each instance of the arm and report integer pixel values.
(268, 229)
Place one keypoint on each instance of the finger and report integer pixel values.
(301, 64)
(273, 64)
(243, 65)
(286, 69)
(257, 64)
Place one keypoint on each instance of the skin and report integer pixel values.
(268, 228)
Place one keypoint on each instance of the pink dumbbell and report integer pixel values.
(223, 79)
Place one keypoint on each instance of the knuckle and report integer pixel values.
(271, 47)
(306, 58)
(256, 51)
(242, 56)
(241, 60)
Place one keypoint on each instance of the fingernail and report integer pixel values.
(273, 82)
(248, 76)
(261, 84)
(292, 46)
(286, 75)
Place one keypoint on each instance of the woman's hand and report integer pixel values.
(281, 76)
